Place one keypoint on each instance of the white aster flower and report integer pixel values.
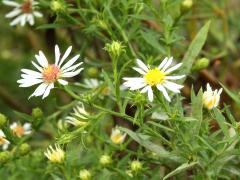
(79, 114)
(56, 155)
(3, 141)
(211, 98)
(22, 13)
(48, 74)
(91, 83)
(117, 136)
(155, 77)
(20, 130)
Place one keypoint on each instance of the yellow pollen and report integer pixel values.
(154, 77)
(18, 130)
(51, 73)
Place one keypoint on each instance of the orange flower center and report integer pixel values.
(2, 140)
(51, 73)
(18, 131)
(27, 7)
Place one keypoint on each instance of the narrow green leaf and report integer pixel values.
(197, 110)
(160, 151)
(193, 50)
(152, 41)
(235, 97)
(221, 121)
(181, 168)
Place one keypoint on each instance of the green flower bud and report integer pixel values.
(3, 120)
(136, 166)
(37, 113)
(85, 174)
(24, 149)
(57, 6)
(105, 160)
(139, 98)
(92, 72)
(186, 5)
(115, 49)
(5, 156)
(200, 64)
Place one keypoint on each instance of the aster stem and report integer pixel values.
(124, 116)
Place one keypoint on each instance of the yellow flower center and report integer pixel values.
(51, 73)
(18, 130)
(57, 156)
(154, 77)
(117, 138)
(2, 140)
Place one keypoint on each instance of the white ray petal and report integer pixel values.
(29, 82)
(57, 55)
(71, 74)
(43, 60)
(23, 20)
(142, 65)
(11, 3)
(150, 94)
(16, 20)
(174, 77)
(174, 68)
(63, 82)
(163, 90)
(66, 54)
(30, 19)
(145, 89)
(32, 73)
(13, 13)
(70, 62)
(171, 87)
(169, 62)
(72, 68)
(37, 66)
(48, 89)
(174, 85)
(27, 126)
(163, 63)
(139, 70)
(40, 90)
(137, 86)
(134, 79)
(37, 14)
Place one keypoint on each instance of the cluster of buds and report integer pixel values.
(105, 160)
(115, 49)
(85, 174)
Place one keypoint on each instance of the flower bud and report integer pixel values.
(105, 160)
(37, 113)
(92, 72)
(139, 98)
(115, 49)
(85, 174)
(24, 149)
(136, 166)
(57, 6)
(5, 156)
(186, 5)
(200, 64)
(3, 120)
